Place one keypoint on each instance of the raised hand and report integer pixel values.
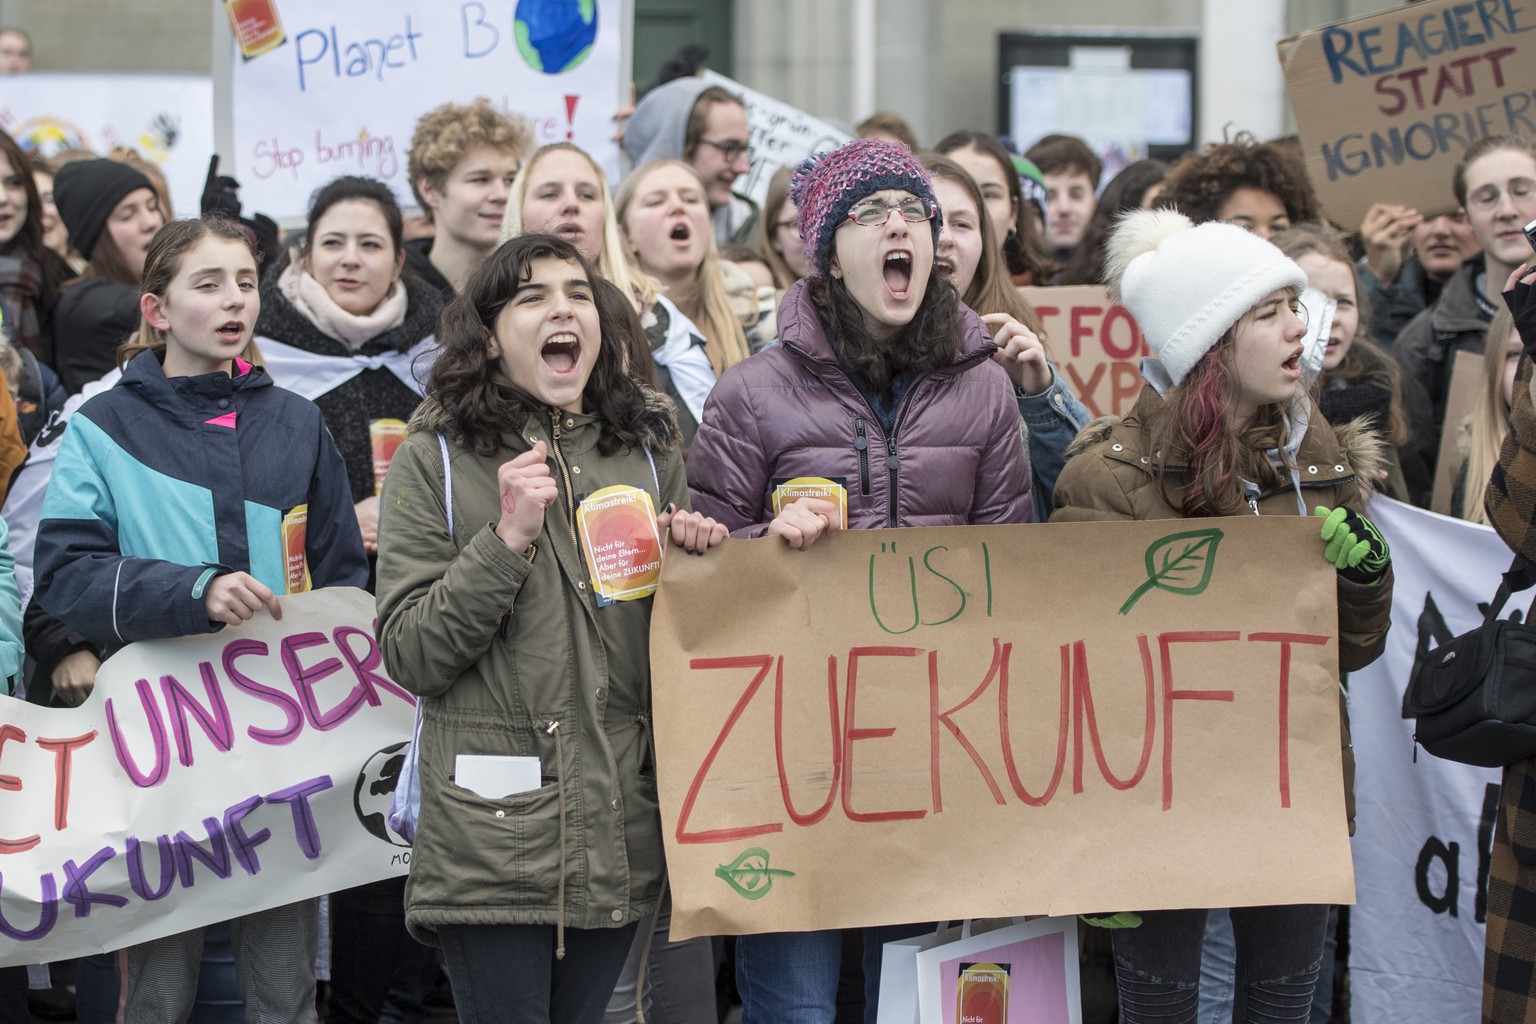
(527, 489)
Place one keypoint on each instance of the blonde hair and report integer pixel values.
(703, 299)
(445, 134)
(1488, 422)
(611, 263)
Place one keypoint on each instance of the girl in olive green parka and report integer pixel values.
(492, 610)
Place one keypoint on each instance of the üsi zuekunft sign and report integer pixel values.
(928, 724)
(205, 778)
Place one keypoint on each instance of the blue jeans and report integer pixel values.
(508, 974)
(1218, 970)
(791, 977)
(1279, 950)
(680, 978)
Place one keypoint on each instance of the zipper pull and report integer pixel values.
(1415, 746)
(859, 443)
(891, 462)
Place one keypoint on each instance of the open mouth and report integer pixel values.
(1293, 364)
(561, 353)
(898, 274)
(942, 265)
(232, 330)
(680, 232)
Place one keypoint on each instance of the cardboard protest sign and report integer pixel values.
(342, 94)
(919, 724)
(205, 778)
(1460, 400)
(781, 136)
(1387, 103)
(1095, 342)
(167, 118)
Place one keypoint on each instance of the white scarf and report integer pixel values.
(310, 299)
(311, 375)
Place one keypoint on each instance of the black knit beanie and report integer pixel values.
(86, 192)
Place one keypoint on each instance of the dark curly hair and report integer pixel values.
(1201, 182)
(927, 343)
(471, 386)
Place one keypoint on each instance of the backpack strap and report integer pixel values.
(442, 444)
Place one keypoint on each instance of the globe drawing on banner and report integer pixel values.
(555, 36)
(375, 789)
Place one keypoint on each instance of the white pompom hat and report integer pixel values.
(1187, 284)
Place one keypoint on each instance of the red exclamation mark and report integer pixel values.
(570, 116)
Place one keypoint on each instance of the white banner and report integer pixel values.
(205, 778)
(342, 94)
(1425, 826)
(167, 118)
(781, 136)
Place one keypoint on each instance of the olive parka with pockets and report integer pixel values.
(514, 656)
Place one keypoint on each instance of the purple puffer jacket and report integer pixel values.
(957, 456)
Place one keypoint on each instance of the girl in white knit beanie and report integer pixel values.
(1227, 426)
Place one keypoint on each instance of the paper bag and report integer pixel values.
(898, 973)
(1022, 973)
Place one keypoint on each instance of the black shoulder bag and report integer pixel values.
(1475, 696)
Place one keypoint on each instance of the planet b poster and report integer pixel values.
(342, 93)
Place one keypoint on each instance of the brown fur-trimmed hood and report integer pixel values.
(657, 427)
(1363, 446)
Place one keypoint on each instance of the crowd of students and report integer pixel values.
(545, 337)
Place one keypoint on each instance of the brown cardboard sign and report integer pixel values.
(1387, 103)
(1460, 400)
(926, 724)
(1095, 342)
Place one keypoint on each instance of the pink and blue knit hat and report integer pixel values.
(827, 185)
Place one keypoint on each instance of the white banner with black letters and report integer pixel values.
(1425, 826)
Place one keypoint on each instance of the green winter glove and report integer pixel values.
(1354, 545)
(1124, 919)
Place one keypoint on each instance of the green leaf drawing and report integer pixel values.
(1180, 564)
(750, 875)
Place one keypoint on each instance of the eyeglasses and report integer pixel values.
(731, 149)
(873, 213)
(1521, 190)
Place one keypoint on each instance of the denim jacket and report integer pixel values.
(1053, 418)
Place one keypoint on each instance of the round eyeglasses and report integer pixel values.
(872, 213)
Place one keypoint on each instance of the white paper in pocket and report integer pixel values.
(494, 776)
